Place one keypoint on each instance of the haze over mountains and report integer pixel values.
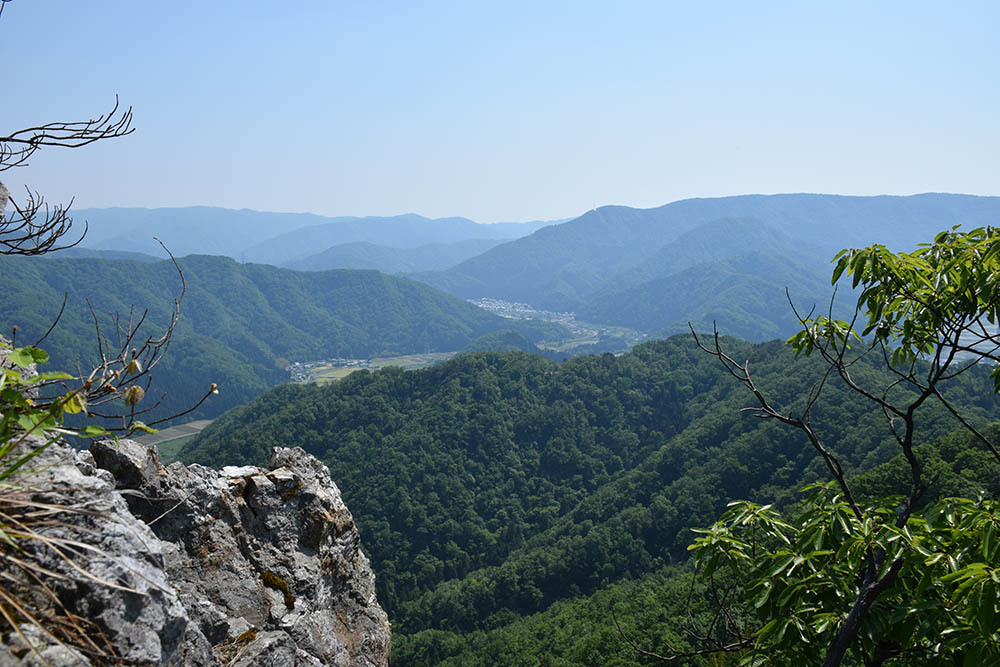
(499, 491)
(275, 238)
(364, 255)
(625, 266)
(725, 260)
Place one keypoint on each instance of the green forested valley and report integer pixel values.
(240, 324)
(507, 501)
(629, 333)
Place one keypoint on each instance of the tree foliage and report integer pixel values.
(493, 486)
(895, 577)
(241, 323)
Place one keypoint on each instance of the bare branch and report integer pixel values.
(728, 648)
(742, 373)
(62, 308)
(972, 429)
(33, 228)
(17, 147)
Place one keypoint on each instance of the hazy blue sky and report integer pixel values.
(504, 110)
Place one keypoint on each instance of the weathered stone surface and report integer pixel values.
(247, 566)
(126, 591)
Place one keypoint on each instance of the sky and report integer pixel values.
(503, 110)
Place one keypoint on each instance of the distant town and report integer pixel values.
(523, 311)
(583, 332)
(306, 371)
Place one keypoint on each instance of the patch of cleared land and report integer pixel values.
(583, 333)
(170, 440)
(324, 374)
(411, 361)
(330, 372)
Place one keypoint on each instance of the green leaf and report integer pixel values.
(989, 542)
(75, 403)
(91, 431)
(25, 356)
(140, 426)
(51, 375)
(27, 422)
(781, 565)
(765, 593)
(839, 269)
(13, 397)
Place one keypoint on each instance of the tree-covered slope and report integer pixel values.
(562, 266)
(240, 324)
(712, 242)
(78, 252)
(492, 486)
(743, 295)
(502, 340)
(665, 610)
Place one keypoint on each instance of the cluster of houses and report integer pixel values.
(302, 371)
(523, 311)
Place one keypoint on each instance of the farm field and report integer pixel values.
(411, 361)
(324, 374)
(330, 373)
(170, 440)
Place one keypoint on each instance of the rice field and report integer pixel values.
(169, 441)
(330, 373)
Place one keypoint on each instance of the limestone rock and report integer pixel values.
(242, 566)
(126, 591)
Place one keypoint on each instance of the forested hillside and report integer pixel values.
(583, 264)
(240, 324)
(745, 293)
(506, 500)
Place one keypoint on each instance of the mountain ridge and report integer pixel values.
(240, 324)
(246, 234)
(562, 266)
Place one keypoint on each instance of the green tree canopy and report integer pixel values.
(896, 577)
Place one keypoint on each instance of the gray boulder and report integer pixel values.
(192, 566)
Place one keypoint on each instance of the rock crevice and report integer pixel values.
(242, 566)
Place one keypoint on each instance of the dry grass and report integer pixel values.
(31, 529)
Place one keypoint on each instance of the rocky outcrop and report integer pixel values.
(191, 566)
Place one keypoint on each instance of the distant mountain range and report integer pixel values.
(703, 260)
(725, 260)
(364, 255)
(403, 231)
(275, 238)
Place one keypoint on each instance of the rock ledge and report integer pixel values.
(243, 566)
